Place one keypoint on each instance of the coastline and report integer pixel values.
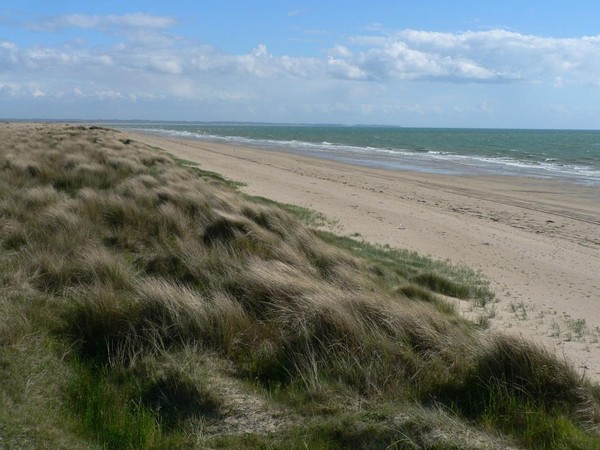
(543, 154)
(537, 241)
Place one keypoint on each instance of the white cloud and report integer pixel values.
(21, 89)
(342, 68)
(8, 89)
(106, 60)
(135, 20)
(166, 65)
(258, 62)
(340, 51)
(298, 12)
(482, 56)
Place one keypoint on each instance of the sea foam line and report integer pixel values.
(549, 167)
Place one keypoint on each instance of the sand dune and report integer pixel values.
(538, 241)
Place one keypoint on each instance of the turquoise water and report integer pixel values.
(563, 154)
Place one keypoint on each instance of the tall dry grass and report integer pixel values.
(118, 256)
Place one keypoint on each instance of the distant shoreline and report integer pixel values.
(226, 122)
(568, 156)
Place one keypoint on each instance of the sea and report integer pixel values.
(567, 155)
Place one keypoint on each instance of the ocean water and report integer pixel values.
(561, 154)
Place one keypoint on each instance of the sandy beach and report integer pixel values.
(537, 241)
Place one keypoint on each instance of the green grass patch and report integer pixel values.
(207, 174)
(306, 216)
(397, 265)
(111, 410)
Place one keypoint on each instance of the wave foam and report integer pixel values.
(428, 161)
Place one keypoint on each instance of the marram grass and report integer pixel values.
(144, 304)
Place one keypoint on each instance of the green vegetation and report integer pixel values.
(146, 304)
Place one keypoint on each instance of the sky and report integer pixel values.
(422, 63)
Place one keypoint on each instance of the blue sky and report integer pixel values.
(527, 64)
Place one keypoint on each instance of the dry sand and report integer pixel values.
(537, 241)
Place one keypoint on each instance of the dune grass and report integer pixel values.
(147, 304)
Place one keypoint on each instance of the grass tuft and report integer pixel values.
(523, 390)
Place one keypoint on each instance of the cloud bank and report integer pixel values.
(146, 59)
